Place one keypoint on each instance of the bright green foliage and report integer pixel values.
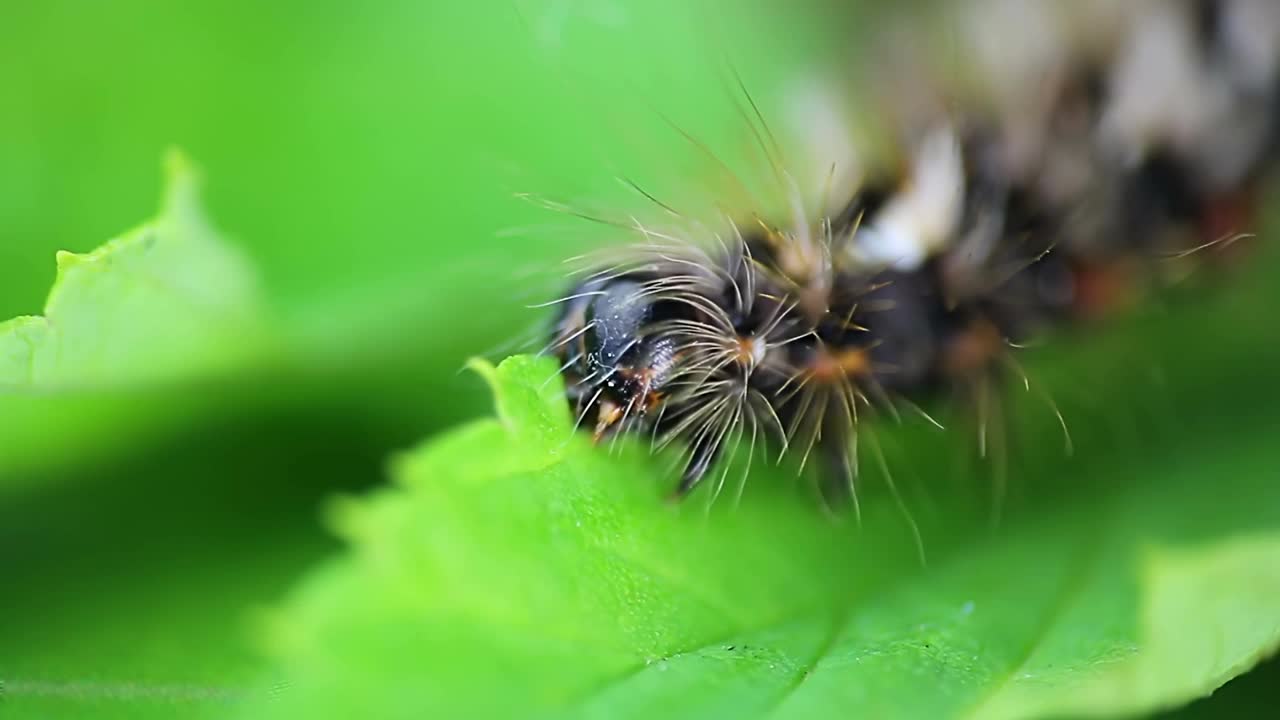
(1207, 615)
(161, 462)
(156, 314)
(165, 301)
(515, 570)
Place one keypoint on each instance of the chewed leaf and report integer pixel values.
(165, 301)
(517, 571)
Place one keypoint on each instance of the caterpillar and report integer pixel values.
(1092, 141)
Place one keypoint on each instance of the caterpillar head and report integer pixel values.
(618, 362)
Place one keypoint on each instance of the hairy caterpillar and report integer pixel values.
(1106, 137)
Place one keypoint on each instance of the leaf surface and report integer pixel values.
(514, 570)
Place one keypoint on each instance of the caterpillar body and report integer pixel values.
(1044, 194)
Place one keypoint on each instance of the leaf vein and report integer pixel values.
(1085, 565)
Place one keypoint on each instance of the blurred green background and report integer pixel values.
(366, 156)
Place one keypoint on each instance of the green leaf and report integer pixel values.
(1248, 696)
(168, 306)
(514, 570)
(1208, 614)
(166, 301)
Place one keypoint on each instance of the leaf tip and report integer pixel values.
(183, 180)
(65, 260)
(179, 168)
(486, 371)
